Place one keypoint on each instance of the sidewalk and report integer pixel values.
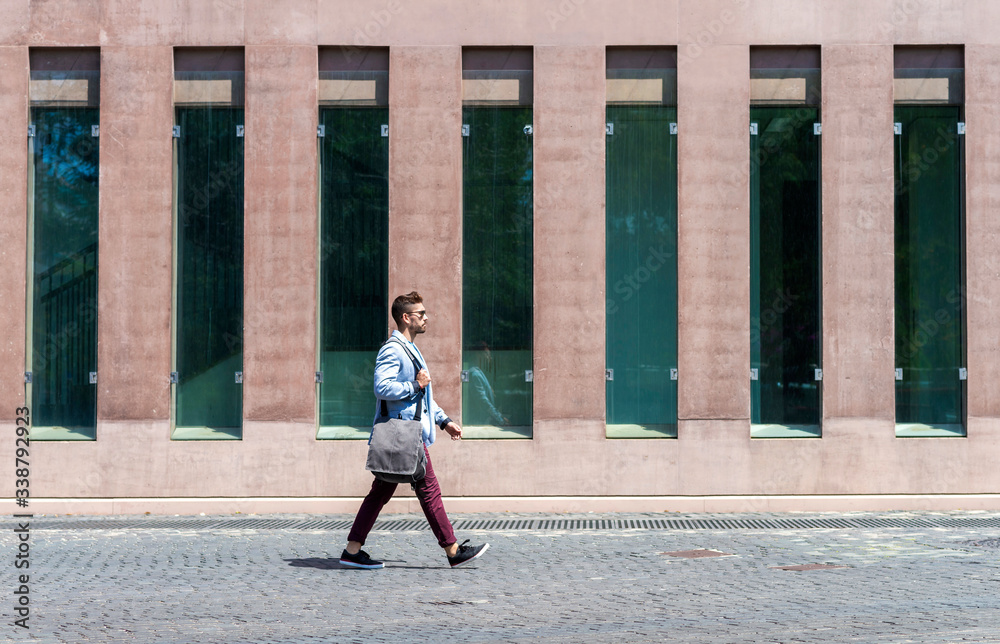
(899, 577)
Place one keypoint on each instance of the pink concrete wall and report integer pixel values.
(982, 86)
(569, 464)
(13, 226)
(568, 174)
(280, 232)
(135, 234)
(425, 203)
(857, 236)
(713, 252)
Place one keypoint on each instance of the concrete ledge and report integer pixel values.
(409, 505)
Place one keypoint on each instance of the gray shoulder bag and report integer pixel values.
(396, 450)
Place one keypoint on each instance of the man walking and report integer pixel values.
(399, 384)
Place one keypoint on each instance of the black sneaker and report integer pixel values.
(360, 560)
(466, 553)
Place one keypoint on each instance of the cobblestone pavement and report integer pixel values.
(171, 584)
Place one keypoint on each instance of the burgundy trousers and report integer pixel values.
(428, 493)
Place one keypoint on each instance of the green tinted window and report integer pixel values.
(641, 240)
(208, 314)
(354, 237)
(63, 272)
(497, 272)
(785, 349)
(928, 272)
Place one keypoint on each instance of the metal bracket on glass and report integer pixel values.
(609, 374)
(239, 377)
(529, 376)
(673, 374)
(239, 131)
(319, 376)
(673, 128)
(95, 130)
(465, 130)
(174, 378)
(320, 131)
(177, 131)
(93, 377)
(27, 377)
(31, 131)
(817, 374)
(897, 128)
(385, 130)
(963, 373)
(753, 129)
(529, 130)
(753, 374)
(464, 376)
(817, 128)
(609, 129)
(899, 374)
(961, 127)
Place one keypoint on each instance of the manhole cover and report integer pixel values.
(807, 567)
(697, 554)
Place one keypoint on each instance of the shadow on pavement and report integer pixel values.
(328, 563)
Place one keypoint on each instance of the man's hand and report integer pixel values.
(423, 378)
(455, 431)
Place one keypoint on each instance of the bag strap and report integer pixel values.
(416, 369)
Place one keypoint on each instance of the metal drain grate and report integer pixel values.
(402, 525)
(325, 525)
(597, 525)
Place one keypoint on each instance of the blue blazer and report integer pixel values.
(396, 384)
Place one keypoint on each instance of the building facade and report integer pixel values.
(726, 255)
